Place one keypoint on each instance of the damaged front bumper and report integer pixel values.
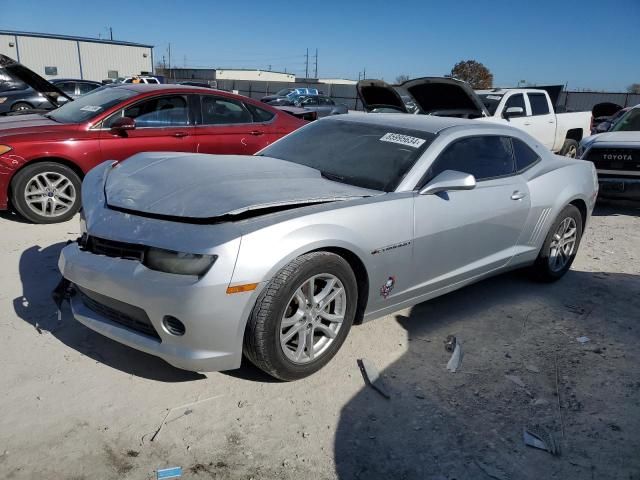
(131, 304)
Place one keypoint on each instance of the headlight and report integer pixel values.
(3, 99)
(177, 262)
(4, 149)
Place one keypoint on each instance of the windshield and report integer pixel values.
(90, 105)
(360, 154)
(491, 101)
(629, 122)
(283, 92)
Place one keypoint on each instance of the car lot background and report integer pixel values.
(78, 405)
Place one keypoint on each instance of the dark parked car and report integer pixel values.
(44, 156)
(279, 94)
(74, 87)
(321, 104)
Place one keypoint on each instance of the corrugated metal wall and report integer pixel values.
(38, 53)
(6, 49)
(584, 101)
(99, 58)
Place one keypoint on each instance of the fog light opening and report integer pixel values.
(173, 326)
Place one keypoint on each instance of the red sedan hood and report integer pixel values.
(28, 124)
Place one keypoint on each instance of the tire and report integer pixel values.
(546, 268)
(570, 148)
(16, 107)
(60, 197)
(279, 302)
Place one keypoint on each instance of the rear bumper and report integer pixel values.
(214, 321)
(619, 187)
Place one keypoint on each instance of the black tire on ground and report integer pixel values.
(542, 268)
(570, 148)
(21, 106)
(22, 179)
(262, 334)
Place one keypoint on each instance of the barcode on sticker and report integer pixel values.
(407, 140)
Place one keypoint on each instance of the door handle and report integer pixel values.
(518, 195)
(180, 134)
(527, 123)
(256, 132)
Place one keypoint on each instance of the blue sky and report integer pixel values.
(587, 44)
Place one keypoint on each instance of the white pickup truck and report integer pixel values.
(532, 111)
(528, 109)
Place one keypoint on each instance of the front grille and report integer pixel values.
(112, 248)
(134, 318)
(624, 159)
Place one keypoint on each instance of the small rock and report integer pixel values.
(583, 340)
(515, 379)
(532, 368)
(540, 402)
(420, 396)
(305, 435)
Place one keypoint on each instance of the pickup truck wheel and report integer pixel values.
(570, 148)
(46, 192)
(302, 316)
(560, 245)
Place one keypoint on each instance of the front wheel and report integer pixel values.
(46, 192)
(302, 317)
(21, 106)
(560, 245)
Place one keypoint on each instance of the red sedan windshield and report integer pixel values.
(88, 106)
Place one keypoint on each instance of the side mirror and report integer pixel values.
(449, 180)
(513, 112)
(123, 124)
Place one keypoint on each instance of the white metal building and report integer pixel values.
(62, 56)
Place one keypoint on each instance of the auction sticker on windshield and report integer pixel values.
(91, 108)
(407, 140)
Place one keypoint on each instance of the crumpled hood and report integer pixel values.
(202, 186)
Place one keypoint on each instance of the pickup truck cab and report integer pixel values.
(530, 110)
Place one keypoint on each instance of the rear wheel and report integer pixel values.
(46, 192)
(302, 317)
(560, 246)
(20, 106)
(570, 148)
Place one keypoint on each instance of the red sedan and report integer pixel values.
(43, 157)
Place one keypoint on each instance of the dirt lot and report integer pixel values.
(76, 405)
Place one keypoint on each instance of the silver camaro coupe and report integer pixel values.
(199, 259)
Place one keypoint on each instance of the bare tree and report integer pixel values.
(474, 73)
(634, 88)
(402, 78)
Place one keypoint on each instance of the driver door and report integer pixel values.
(459, 235)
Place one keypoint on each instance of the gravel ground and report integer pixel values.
(79, 406)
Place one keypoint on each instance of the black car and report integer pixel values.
(279, 94)
(16, 96)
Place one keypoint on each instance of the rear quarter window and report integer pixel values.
(525, 156)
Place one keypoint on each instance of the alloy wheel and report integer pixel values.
(313, 318)
(50, 194)
(563, 244)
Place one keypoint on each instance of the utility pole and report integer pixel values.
(111, 33)
(306, 65)
(364, 73)
(164, 64)
(316, 71)
(169, 59)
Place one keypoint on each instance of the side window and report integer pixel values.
(259, 114)
(525, 156)
(223, 111)
(86, 87)
(67, 87)
(483, 157)
(169, 111)
(325, 101)
(516, 100)
(309, 101)
(539, 104)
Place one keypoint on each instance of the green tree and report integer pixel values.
(474, 73)
(402, 78)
